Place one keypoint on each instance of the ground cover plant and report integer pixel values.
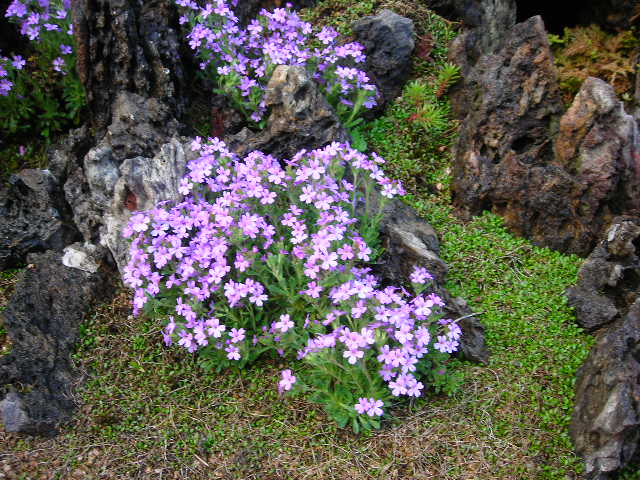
(151, 412)
(264, 258)
(583, 52)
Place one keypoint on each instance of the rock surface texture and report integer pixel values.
(605, 426)
(556, 179)
(388, 39)
(34, 217)
(128, 46)
(42, 319)
(609, 280)
(300, 118)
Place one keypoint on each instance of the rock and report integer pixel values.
(504, 136)
(558, 180)
(609, 280)
(139, 127)
(128, 46)
(81, 257)
(300, 118)
(388, 39)
(67, 155)
(410, 241)
(605, 426)
(487, 24)
(42, 321)
(141, 185)
(598, 145)
(34, 217)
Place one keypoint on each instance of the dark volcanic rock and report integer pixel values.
(139, 127)
(300, 118)
(488, 23)
(609, 281)
(388, 39)
(504, 145)
(128, 46)
(605, 426)
(42, 320)
(563, 194)
(34, 216)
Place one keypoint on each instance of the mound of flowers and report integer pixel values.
(240, 61)
(267, 257)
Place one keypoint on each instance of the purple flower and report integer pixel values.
(420, 275)
(284, 324)
(66, 50)
(288, 379)
(233, 353)
(18, 62)
(58, 64)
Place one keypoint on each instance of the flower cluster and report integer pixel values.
(241, 60)
(46, 20)
(8, 69)
(261, 256)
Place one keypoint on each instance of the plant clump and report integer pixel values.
(40, 91)
(240, 61)
(262, 258)
(583, 52)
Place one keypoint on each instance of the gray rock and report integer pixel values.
(388, 39)
(300, 117)
(487, 23)
(605, 426)
(42, 321)
(139, 128)
(142, 184)
(609, 280)
(82, 257)
(13, 413)
(65, 156)
(34, 216)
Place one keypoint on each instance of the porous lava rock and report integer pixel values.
(388, 39)
(556, 179)
(605, 425)
(128, 46)
(609, 280)
(42, 319)
(34, 217)
(140, 126)
(486, 25)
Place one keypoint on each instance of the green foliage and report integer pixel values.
(42, 102)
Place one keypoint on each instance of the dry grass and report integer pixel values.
(148, 412)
